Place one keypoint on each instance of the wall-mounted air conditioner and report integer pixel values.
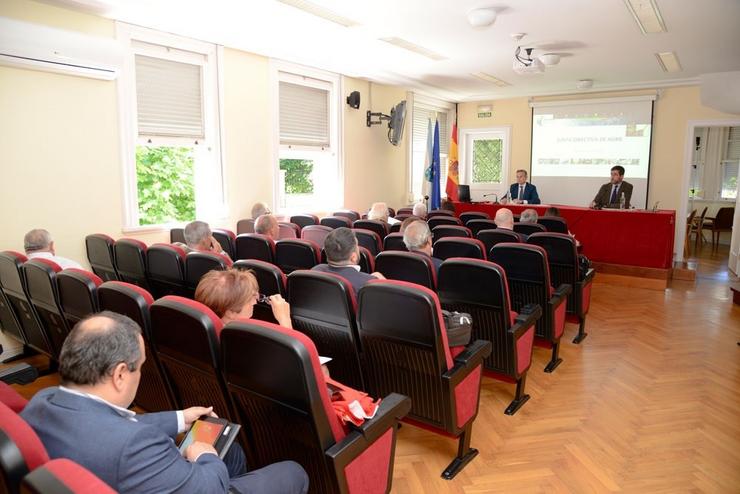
(37, 47)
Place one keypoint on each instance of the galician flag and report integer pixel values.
(426, 188)
(453, 171)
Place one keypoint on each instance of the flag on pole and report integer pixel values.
(426, 187)
(435, 200)
(453, 171)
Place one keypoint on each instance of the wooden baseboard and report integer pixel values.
(636, 271)
(631, 281)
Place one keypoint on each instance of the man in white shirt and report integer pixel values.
(38, 245)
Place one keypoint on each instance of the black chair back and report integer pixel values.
(43, 293)
(101, 256)
(255, 246)
(78, 294)
(370, 240)
(444, 231)
(478, 225)
(304, 220)
(446, 248)
(528, 228)
(562, 258)
(199, 263)
(166, 270)
(130, 255)
(244, 226)
(497, 236)
(407, 266)
(177, 235)
(227, 239)
(336, 222)
(271, 281)
(377, 226)
(316, 234)
(394, 241)
(293, 254)
(346, 213)
(473, 215)
(553, 224)
(435, 221)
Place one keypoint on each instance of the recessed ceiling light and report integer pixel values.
(489, 78)
(584, 84)
(669, 61)
(408, 45)
(646, 15)
(319, 11)
(481, 17)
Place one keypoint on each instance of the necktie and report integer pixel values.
(613, 198)
(521, 192)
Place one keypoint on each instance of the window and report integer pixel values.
(487, 162)
(171, 134)
(484, 161)
(729, 166)
(425, 110)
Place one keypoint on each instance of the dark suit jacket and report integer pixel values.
(605, 192)
(530, 193)
(129, 456)
(357, 279)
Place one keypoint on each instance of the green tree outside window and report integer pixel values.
(165, 181)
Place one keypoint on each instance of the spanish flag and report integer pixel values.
(453, 175)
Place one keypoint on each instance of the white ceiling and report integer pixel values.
(598, 39)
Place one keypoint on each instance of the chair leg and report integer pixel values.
(581, 331)
(520, 398)
(464, 454)
(554, 360)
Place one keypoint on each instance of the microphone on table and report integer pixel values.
(426, 201)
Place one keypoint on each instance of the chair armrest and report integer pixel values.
(590, 275)
(467, 361)
(19, 374)
(560, 295)
(526, 318)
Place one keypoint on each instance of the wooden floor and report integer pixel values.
(649, 402)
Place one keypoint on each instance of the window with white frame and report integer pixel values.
(169, 92)
(423, 112)
(308, 168)
(729, 166)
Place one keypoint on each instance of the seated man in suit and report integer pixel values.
(418, 239)
(343, 258)
(522, 192)
(610, 194)
(268, 226)
(504, 220)
(86, 419)
(199, 238)
(38, 244)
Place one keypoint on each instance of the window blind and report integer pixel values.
(169, 98)
(421, 117)
(304, 115)
(733, 144)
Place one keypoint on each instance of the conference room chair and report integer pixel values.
(407, 266)
(130, 256)
(562, 259)
(274, 379)
(446, 248)
(439, 212)
(395, 227)
(245, 226)
(316, 234)
(347, 213)
(473, 215)
(496, 236)
(377, 226)
(323, 307)
(227, 240)
(367, 261)
(478, 225)
(13, 283)
(402, 216)
(529, 228)
(166, 270)
(9, 323)
(370, 240)
(692, 226)
(336, 222)
(21, 450)
(100, 255)
(721, 222)
(394, 241)
(12, 398)
(63, 476)
(185, 335)
(304, 220)
(698, 224)
(271, 281)
(436, 221)
(255, 246)
(78, 294)
(177, 235)
(289, 230)
(511, 334)
(43, 293)
(553, 224)
(294, 254)
(528, 274)
(405, 350)
(444, 231)
(153, 393)
(406, 211)
(391, 212)
(198, 264)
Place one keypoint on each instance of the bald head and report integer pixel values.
(267, 225)
(504, 219)
(417, 236)
(38, 240)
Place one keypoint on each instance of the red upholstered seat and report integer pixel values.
(476, 225)
(370, 240)
(271, 281)
(316, 234)
(377, 226)
(347, 213)
(404, 344)
(166, 270)
(444, 220)
(274, 379)
(43, 293)
(227, 239)
(394, 241)
(480, 288)
(130, 256)
(255, 246)
(185, 335)
(448, 247)
(21, 450)
(153, 394)
(11, 398)
(177, 235)
(29, 329)
(64, 476)
(289, 230)
(78, 294)
(529, 283)
(101, 256)
(407, 266)
(304, 220)
(444, 231)
(293, 254)
(336, 222)
(473, 215)
(245, 226)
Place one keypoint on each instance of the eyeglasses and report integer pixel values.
(263, 299)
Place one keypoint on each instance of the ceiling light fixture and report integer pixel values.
(419, 50)
(526, 64)
(550, 59)
(319, 11)
(481, 17)
(584, 84)
(668, 61)
(646, 15)
(489, 78)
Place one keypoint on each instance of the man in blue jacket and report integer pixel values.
(86, 419)
(522, 192)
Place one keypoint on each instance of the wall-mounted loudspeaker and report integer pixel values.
(353, 99)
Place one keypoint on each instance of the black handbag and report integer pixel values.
(458, 325)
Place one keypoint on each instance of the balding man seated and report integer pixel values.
(379, 211)
(420, 210)
(504, 220)
(259, 209)
(528, 216)
(38, 244)
(199, 238)
(87, 420)
(343, 256)
(268, 226)
(418, 239)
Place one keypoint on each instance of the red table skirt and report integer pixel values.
(628, 237)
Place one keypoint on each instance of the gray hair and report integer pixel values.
(378, 211)
(259, 209)
(416, 235)
(37, 239)
(340, 244)
(264, 224)
(528, 216)
(196, 232)
(419, 210)
(96, 345)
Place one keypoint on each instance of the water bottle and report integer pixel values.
(621, 201)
